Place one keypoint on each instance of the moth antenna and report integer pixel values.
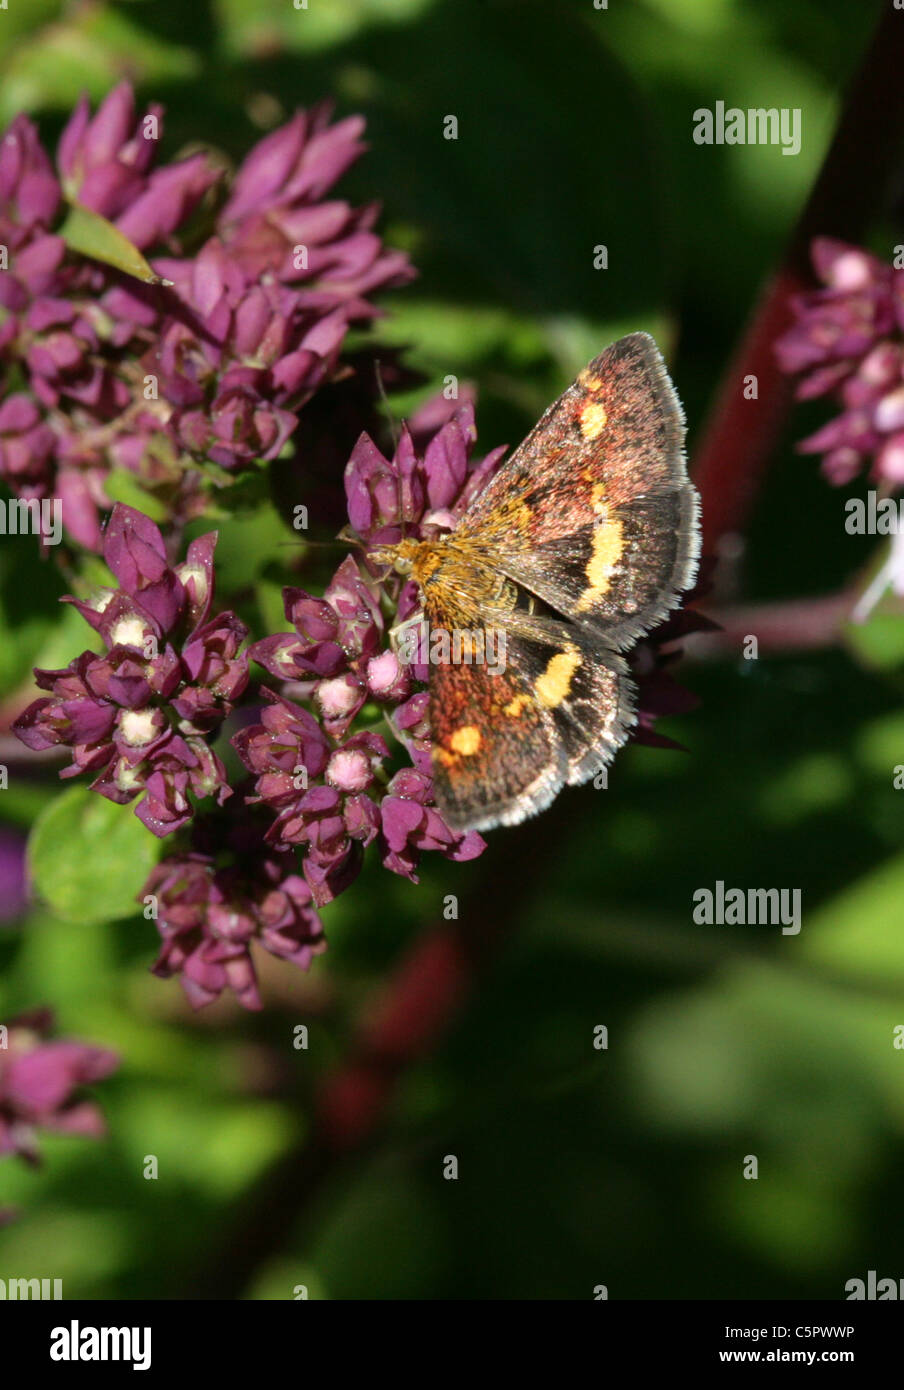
(348, 537)
(352, 542)
(394, 435)
(381, 388)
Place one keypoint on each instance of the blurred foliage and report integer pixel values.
(87, 854)
(577, 1166)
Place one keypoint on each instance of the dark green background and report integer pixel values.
(577, 1167)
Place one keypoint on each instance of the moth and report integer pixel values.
(581, 542)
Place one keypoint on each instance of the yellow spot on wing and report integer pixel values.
(514, 707)
(555, 683)
(589, 380)
(598, 492)
(608, 543)
(593, 419)
(465, 740)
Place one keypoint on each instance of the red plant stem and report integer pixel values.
(740, 435)
(796, 625)
(405, 1022)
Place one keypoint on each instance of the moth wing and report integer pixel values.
(504, 744)
(594, 513)
(497, 755)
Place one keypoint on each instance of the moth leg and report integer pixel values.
(410, 648)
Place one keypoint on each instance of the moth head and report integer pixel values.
(399, 557)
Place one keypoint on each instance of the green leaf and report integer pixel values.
(29, 612)
(246, 544)
(122, 486)
(89, 857)
(856, 934)
(92, 235)
(308, 26)
(879, 642)
(880, 746)
(19, 21)
(269, 593)
(88, 49)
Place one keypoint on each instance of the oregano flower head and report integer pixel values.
(140, 716)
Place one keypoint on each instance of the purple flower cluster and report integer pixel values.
(105, 163)
(121, 375)
(277, 223)
(848, 341)
(230, 889)
(140, 715)
(75, 331)
(39, 1084)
